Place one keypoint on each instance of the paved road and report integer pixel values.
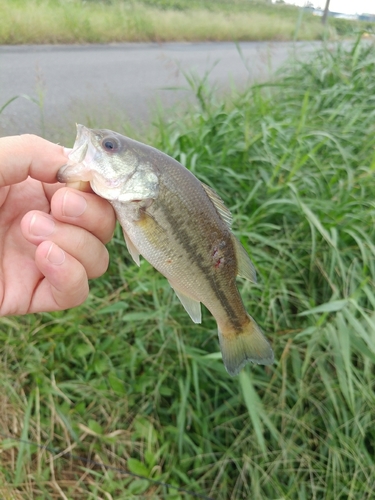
(101, 85)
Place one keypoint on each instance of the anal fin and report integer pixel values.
(192, 306)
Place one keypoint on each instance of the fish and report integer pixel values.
(180, 226)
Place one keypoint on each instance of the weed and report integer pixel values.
(129, 381)
(76, 21)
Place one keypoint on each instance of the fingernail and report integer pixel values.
(55, 255)
(41, 225)
(73, 204)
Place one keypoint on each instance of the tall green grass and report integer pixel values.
(106, 21)
(76, 21)
(127, 379)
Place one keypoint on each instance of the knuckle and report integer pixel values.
(105, 221)
(108, 235)
(82, 245)
(30, 139)
(76, 294)
(100, 265)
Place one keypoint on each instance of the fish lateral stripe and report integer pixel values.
(198, 259)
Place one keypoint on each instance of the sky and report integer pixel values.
(343, 6)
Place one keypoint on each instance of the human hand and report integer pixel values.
(51, 237)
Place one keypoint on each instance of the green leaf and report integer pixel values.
(95, 427)
(257, 413)
(118, 306)
(137, 467)
(150, 458)
(83, 350)
(328, 307)
(116, 384)
(313, 219)
(138, 486)
(23, 446)
(213, 355)
(100, 365)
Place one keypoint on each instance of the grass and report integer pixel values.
(76, 21)
(128, 380)
(108, 21)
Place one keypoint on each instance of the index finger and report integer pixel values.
(29, 155)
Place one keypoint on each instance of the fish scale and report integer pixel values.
(179, 225)
(176, 228)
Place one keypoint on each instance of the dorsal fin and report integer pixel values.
(219, 204)
(246, 268)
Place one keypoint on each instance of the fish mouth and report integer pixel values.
(77, 167)
(81, 144)
(81, 166)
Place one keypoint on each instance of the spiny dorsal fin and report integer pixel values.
(246, 268)
(219, 204)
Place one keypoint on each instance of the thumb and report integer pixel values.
(29, 155)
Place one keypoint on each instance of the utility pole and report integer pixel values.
(325, 14)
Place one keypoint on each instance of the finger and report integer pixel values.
(86, 210)
(82, 245)
(29, 155)
(65, 284)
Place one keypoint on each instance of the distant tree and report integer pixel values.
(325, 13)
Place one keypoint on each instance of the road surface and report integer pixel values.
(105, 85)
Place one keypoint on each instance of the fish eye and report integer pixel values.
(110, 144)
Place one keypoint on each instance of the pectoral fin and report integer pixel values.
(132, 249)
(192, 306)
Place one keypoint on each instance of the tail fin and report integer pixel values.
(240, 348)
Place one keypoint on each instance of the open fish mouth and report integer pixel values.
(79, 159)
(81, 144)
(82, 166)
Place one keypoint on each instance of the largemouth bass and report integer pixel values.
(179, 225)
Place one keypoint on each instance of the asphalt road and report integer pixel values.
(103, 85)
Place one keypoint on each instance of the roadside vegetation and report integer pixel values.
(129, 381)
(106, 21)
